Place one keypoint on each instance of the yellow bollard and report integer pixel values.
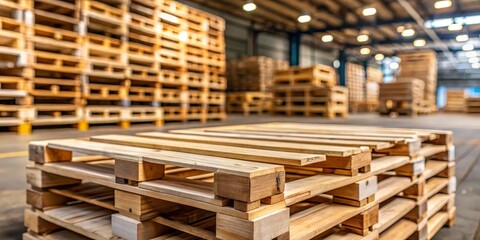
(82, 125)
(124, 124)
(24, 129)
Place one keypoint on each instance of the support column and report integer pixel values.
(294, 48)
(342, 58)
(252, 46)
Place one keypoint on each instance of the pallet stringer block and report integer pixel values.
(356, 194)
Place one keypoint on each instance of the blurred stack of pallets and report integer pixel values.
(252, 76)
(456, 99)
(262, 181)
(402, 97)
(472, 105)
(422, 65)
(309, 91)
(370, 102)
(356, 82)
(249, 102)
(107, 61)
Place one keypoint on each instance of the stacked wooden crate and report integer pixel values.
(280, 180)
(455, 100)
(472, 105)
(249, 102)
(15, 109)
(402, 97)
(102, 61)
(252, 76)
(309, 91)
(422, 65)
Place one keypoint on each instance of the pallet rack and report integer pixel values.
(282, 180)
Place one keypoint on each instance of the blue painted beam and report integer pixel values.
(342, 70)
(294, 48)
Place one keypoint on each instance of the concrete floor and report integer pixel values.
(466, 134)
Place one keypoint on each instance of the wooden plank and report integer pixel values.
(392, 212)
(260, 144)
(277, 157)
(436, 223)
(400, 230)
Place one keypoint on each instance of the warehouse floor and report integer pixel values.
(13, 157)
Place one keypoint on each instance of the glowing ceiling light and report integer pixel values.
(462, 38)
(442, 4)
(471, 54)
(365, 51)
(468, 47)
(249, 6)
(369, 11)
(394, 65)
(475, 65)
(304, 18)
(362, 37)
(455, 27)
(408, 32)
(379, 57)
(419, 43)
(473, 60)
(327, 38)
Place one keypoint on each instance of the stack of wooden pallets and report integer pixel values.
(309, 91)
(262, 181)
(250, 83)
(456, 100)
(101, 61)
(249, 102)
(403, 97)
(15, 109)
(472, 105)
(374, 77)
(422, 65)
(355, 81)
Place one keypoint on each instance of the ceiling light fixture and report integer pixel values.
(304, 18)
(468, 47)
(327, 38)
(475, 65)
(249, 6)
(471, 54)
(462, 38)
(419, 43)
(365, 51)
(408, 32)
(363, 36)
(369, 11)
(455, 27)
(379, 57)
(473, 60)
(394, 65)
(442, 4)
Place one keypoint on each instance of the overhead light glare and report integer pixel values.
(327, 38)
(362, 38)
(455, 27)
(442, 4)
(462, 38)
(476, 65)
(419, 43)
(304, 18)
(473, 60)
(169, 17)
(468, 47)
(379, 57)
(365, 51)
(369, 11)
(394, 65)
(471, 54)
(249, 6)
(408, 32)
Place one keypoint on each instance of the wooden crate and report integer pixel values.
(285, 180)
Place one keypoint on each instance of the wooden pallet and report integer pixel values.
(309, 101)
(318, 76)
(473, 105)
(455, 100)
(406, 98)
(293, 200)
(248, 102)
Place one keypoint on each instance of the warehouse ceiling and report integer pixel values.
(388, 30)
